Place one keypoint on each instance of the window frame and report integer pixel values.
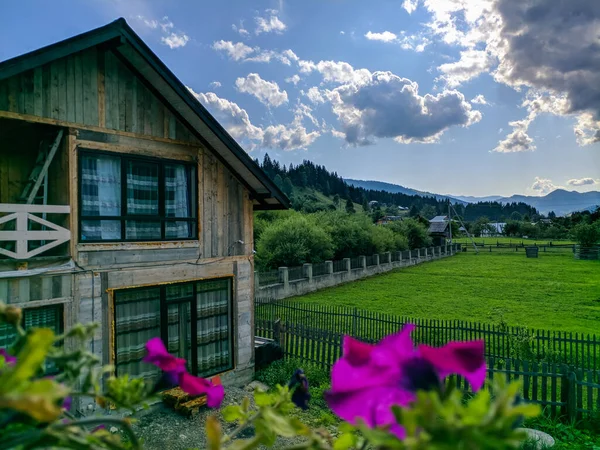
(124, 158)
(164, 322)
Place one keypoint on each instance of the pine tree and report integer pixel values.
(350, 206)
(365, 204)
(288, 187)
(278, 181)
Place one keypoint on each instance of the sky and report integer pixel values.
(463, 97)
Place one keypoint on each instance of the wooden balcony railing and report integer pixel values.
(15, 227)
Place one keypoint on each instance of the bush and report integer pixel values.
(349, 233)
(414, 232)
(586, 235)
(292, 242)
(383, 239)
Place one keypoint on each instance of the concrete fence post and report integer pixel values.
(347, 264)
(399, 257)
(388, 257)
(423, 253)
(284, 277)
(329, 265)
(439, 251)
(362, 261)
(256, 282)
(376, 259)
(307, 271)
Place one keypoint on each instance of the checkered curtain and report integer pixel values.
(214, 332)
(179, 343)
(100, 196)
(177, 200)
(142, 199)
(137, 320)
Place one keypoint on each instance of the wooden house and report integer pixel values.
(124, 202)
(439, 230)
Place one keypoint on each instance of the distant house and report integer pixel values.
(439, 229)
(387, 219)
(403, 208)
(373, 203)
(546, 221)
(496, 228)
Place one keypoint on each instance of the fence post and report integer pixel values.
(423, 253)
(348, 264)
(388, 257)
(376, 260)
(284, 277)
(277, 331)
(362, 260)
(307, 271)
(399, 257)
(329, 265)
(256, 282)
(354, 314)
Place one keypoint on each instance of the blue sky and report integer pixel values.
(471, 97)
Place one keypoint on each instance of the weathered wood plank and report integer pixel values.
(61, 70)
(46, 82)
(78, 87)
(14, 89)
(134, 106)
(221, 212)
(111, 79)
(4, 95)
(37, 91)
(199, 204)
(70, 89)
(27, 92)
(214, 213)
(101, 82)
(128, 93)
(123, 74)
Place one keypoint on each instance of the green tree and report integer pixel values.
(414, 211)
(512, 228)
(586, 234)
(336, 200)
(415, 233)
(278, 181)
(429, 211)
(516, 216)
(365, 204)
(292, 242)
(288, 187)
(350, 206)
(551, 215)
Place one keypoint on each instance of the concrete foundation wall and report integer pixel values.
(287, 288)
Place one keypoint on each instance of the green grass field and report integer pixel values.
(511, 240)
(553, 292)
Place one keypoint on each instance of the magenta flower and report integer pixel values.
(369, 379)
(201, 386)
(175, 371)
(8, 359)
(161, 358)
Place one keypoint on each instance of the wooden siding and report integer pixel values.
(92, 88)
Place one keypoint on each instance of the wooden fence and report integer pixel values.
(560, 389)
(574, 349)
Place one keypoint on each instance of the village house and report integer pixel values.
(124, 202)
(439, 230)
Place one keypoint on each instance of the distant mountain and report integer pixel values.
(560, 201)
(397, 189)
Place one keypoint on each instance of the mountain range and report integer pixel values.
(560, 201)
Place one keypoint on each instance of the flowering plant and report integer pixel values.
(391, 395)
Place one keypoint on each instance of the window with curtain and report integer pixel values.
(175, 313)
(126, 198)
(44, 317)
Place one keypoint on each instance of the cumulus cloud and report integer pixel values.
(240, 29)
(538, 46)
(386, 36)
(172, 39)
(175, 40)
(582, 181)
(235, 51)
(267, 92)
(270, 23)
(215, 84)
(544, 186)
(410, 5)
(237, 122)
(479, 100)
(388, 106)
(294, 79)
(315, 96)
(472, 63)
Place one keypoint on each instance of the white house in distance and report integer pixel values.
(496, 229)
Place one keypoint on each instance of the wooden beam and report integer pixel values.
(71, 149)
(45, 167)
(62, 123)
(39, 303)
(101, 90)
(18, 207)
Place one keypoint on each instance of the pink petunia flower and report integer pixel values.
(369, 379)
(8, 359)
(161, 358)
(201, 386)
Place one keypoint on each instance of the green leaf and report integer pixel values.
(262, 398)
(278, 423)
(213, 433)
(40, 400)
(345, 441)
(232, 413)
(30, 359)
(246, 404)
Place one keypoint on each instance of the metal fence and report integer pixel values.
(296, 273)
(372, 260)
(268, 278)
(339, 266)
(320, 269)
(355, 263)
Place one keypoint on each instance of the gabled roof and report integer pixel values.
(439, 219)
(145, 64)
(438, 227)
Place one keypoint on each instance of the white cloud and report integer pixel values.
(386, 36)
(267, 92)
(544, 186)
(315, 96)
(410, 5)
(175, 40)
(235, 51)
(342, 32)
(472, 63)
(237, 122)
(270, 23)
(215, 84)
(479, 100)
(294, 79)
(582, 181)
(240, 29)
(303, 110)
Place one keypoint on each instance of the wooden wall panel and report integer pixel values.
(92, 88)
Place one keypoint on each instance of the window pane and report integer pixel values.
(177, 191)
(137, 317)
(142, 230)
(214, 331)
(180, 341)
(142, 188)
(179, 229)
(97, 230)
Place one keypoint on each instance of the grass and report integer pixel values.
(552, 292)
(510, 240)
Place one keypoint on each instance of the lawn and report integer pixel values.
(511, 240)
(552, 292)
